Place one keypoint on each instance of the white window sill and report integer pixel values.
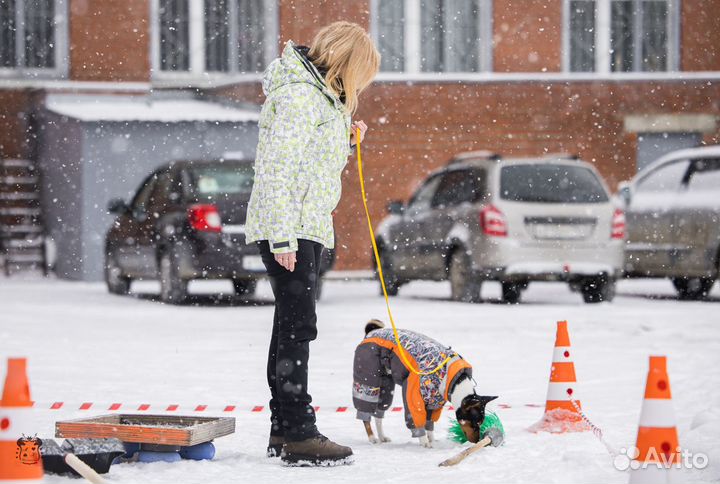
(203, 81)
(50, 84)
(544, 76)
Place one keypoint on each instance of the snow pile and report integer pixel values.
(85, 345)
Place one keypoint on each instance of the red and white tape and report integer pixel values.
(199, 408)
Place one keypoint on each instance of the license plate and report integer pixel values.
(551, 231)
(253, 263)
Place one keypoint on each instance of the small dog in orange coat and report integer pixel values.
(378, 367)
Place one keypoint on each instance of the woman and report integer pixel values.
(305, 139)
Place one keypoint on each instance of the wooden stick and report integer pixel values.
(470, 450)
(83, 469)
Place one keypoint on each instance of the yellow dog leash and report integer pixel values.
(402, 350)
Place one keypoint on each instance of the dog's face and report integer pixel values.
(471, 415)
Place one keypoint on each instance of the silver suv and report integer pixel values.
(509, 220)
(673, 215)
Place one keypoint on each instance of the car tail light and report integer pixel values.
(618, 225)
(492, 221)
(205, 218)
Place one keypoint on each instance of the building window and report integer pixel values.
(217, 35)
(174, 35)
(33, 36)
(214, 36)
(391, 36)
(251, 35)
(582, 35)
(622, 35)
(433, 35)
(639, 36)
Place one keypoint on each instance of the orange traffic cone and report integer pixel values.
(657, 440)
(560, 413)
(19, 449)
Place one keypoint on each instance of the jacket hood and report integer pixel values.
(294, 67)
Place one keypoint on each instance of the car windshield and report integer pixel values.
(551, 184)
(210, 181)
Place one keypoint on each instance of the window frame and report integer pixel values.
(197, 74)
(412, 33)
(603, 26)
(62, 52)
(434, 178)
(638, 188)
(692, 170)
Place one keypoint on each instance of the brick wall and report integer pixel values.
(700, 35)
(301, 19)
(527, 36)
(110, 40)
(408, 139)
(15, 107)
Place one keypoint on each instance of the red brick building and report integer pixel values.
(615, 81)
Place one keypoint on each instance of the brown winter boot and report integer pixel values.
(275, 445)
(315, 451)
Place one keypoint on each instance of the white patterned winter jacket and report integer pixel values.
(302, 150)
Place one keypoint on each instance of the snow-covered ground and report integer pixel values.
(85, 345)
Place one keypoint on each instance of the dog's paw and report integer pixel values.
(431, 435)
(385, 439)
(373, 440)
(425, 442)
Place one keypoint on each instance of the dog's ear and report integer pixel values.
(373, 324)
(486, 399)
(472, 408)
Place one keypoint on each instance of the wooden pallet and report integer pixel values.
(148, 429)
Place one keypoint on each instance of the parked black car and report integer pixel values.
(186, 221)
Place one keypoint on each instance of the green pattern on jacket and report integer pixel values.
(303, 146)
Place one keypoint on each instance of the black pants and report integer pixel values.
(294, 327)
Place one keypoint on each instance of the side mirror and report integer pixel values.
(117, 206)
(396, 207)
(625, 192)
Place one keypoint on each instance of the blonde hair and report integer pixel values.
(350, 57)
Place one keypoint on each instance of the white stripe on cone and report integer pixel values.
(19, 422)
(657, 412)
(559, 391)
(559, 354)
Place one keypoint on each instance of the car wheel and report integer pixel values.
(392, 284)
(511, 292)
(598, 289)
(173, 289)
(463, 286)
(244, 287)
(693, 288)
(117, 283)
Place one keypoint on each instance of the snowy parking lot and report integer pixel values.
(84, 345)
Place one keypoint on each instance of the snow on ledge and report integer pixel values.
(143, 108)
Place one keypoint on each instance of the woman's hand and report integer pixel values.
(287, 260)
(363, 128)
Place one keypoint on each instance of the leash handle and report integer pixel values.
(378, 263)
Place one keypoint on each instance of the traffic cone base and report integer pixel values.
(560, 414)
(560, 421)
